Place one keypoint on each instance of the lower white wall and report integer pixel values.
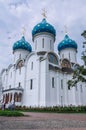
(42, 93)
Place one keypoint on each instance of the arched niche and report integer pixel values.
(53, 58)
(65, 63)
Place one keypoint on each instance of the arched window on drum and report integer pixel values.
(65, 63)
(52, 58)
(19, 66)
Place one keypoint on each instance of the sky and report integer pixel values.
(15, 14)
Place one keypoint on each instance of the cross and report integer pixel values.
(65, 29)
(23, 30)
(44, 13)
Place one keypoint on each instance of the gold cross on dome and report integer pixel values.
(23, 30)
(65, 29)
(44, 13)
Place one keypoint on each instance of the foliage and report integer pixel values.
(83, 57)
(54, 109)
(10, 113)
(79, 75)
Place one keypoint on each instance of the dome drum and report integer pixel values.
(67, 43)
(22, 44)
(43, 33)
(42, 28)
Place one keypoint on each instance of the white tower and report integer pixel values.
(68, 49)
(43, 37)
(21, 49)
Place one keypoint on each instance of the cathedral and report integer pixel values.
(39, 78)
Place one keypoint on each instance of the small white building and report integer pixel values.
(39, 78)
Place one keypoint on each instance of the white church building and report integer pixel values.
(39, 78)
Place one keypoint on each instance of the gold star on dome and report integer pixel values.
(44, 13)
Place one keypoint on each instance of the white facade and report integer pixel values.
(70, 54)
(44, 42)
(39, 78)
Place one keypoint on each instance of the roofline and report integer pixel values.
(41, 33)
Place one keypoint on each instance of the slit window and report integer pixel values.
(20, 56)
(19, 84)
(9, 86)
(53, 82)
(69, 55)
(81, 89)
(31, 84)
(43, 43)
(50, 44)
(11, 75)
(20, 71)
(36, 45)
(76, 87)
(31, 65)
(61, 83)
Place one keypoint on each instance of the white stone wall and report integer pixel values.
(30, 97)
(20, 54)
(19, 77)
(10, 78)
(70, 54)
(52, 90)
(4, 79)
(48, 43)
(42, 92)
(0, 89)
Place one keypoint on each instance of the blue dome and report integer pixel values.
(43, 27)
(67, 43)
(22, 44)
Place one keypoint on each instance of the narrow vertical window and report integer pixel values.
(43, 43)
(76, 87)
(61, 83)
(50, 44)
(81, 89)
(69, 56)
(75, 57)
(31, 84)
(9, 86)
(62, 56)
(20, 56)
(36, 45)
(19, 70)
(19, 84)
(61, 100)
(53, 82)
(11, 75)
(31, 65)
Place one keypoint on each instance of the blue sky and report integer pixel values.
(14, 14)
